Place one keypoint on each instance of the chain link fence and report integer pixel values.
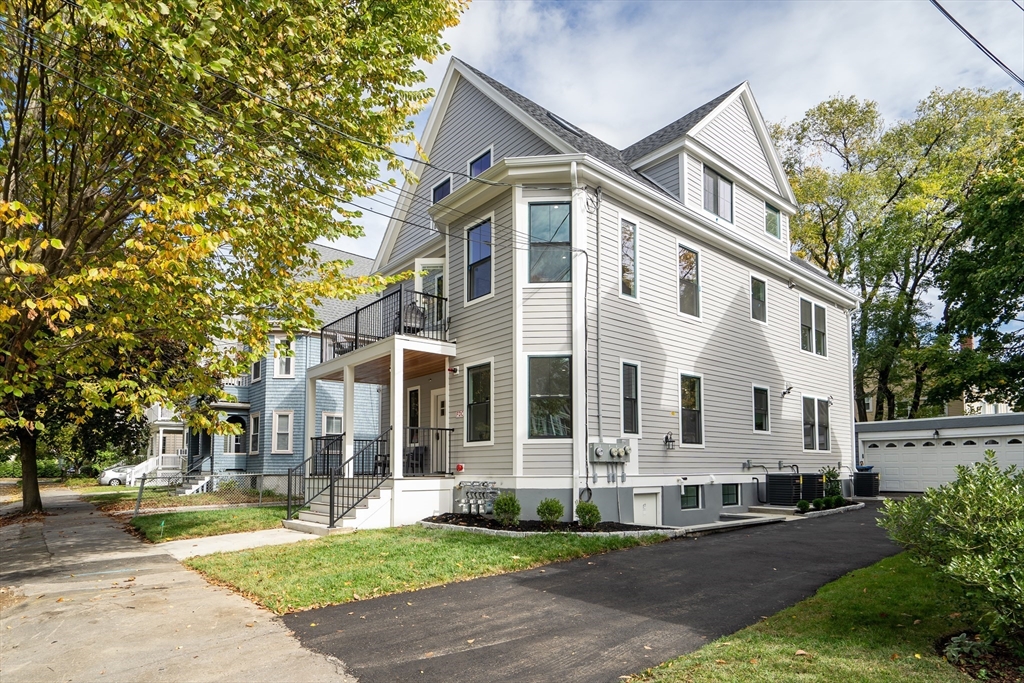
(200, 491)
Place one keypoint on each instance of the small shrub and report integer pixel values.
(507, 509)
(828, 503)
(972, 531)
(803, 506)
(10, 468)
(589, 514)
(838, 501)
(818, 503)
(964, 647)
(833, 487)
(550, 511)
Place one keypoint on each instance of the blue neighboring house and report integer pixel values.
(269, 403)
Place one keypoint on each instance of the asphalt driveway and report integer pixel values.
(594, 619)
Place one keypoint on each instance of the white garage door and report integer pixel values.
(917, 464)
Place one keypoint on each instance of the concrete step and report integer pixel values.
(772, 509)
(314, 528)
(731, 524)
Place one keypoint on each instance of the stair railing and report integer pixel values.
(309, 479)
(355, 479)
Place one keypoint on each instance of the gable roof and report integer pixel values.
(676, 129)
(330, 310)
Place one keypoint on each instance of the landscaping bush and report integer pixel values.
(46, 468)
(972, 530)
(803, 506)
(10, 468)
(589, 514)
(818, 503)
(550, 511)
(833, 487)
(838, 501)
(507, 509)
(828, 503)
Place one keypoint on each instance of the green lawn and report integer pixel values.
(365, 564)
(201, 523)
(873, 625)
(166, 497)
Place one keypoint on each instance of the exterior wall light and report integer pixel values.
(670, 443)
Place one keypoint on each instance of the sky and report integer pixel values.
(622, 69)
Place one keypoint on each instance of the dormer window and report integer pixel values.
(442, 190)
(772, 221)
(717, 194)
(480, 164)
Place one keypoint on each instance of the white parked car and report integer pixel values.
(114, 476)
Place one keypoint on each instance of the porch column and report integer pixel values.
(397, 408)
(348, 417)
(309, 423)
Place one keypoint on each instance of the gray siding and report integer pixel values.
(472, 123)
(547, 319)
(732, 135)
(484, 330)
(666, 174)
(731, 351)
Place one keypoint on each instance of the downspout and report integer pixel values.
(597, 341)
(575, 492)
(853, 421)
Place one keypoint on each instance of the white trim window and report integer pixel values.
(333, 424)
(284, 364)
(479, 164)
(691, 410)
(254, 433)
(256, 371)
(282, 436)
(630, 398)
(817, 429)
(731, 495)
(551, 242)
(627, 259)
(692, 497)
(758, 299)
(479, 271)
(689, 281)
(479, 387)
(813, 331)
(441, 190)
(550, 397)
(772, 221)
(762, 409)
(717, 194)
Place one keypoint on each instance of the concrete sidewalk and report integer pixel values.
(94, 603)
(229, 543)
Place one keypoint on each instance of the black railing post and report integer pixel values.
(330, 498)
(289, 513)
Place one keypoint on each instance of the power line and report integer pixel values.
(1017, 3)
(977, 43)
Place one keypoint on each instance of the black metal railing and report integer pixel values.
(328, 452)
(401, 312)
(349, 487)
(427, 451)
(196, 468)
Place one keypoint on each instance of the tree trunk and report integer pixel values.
(915, 404)
(858, 391)
(31, 501)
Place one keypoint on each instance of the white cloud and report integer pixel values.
(623, 69)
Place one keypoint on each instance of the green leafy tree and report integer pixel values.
(983, 287)
(880, 213)
(165, 167)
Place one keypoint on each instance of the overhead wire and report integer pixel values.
(978, 44)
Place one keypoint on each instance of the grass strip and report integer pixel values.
(874, 625)
(166, 497)
(173, 526)
(366, 564)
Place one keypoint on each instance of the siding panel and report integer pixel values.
(666, 174)
(732, 135)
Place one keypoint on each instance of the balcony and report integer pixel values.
(237, 387)
(404, 312)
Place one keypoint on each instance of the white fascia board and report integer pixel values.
(674, 214)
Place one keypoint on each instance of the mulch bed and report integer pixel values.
(479, 521)
(998, 665)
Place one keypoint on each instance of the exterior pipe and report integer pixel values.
(757, 489)
(573, 204)
(597, 341)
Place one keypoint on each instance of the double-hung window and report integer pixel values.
(480, 164)
(284, 366)
(761, 417)
(282, 436)
(334, 423)
(717, 194)
(630, 398)
(478, 403)
(550, 242)
(550, 410)
(691, 427)
(817, 436)
(772, 221)
(689, 282)
(758, 299)
(730, 495)
(441, 190)
(254, 433)
(812, 327)
(478, 279)
(628, 259)
(256, 372)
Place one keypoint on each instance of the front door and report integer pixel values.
(439, 421)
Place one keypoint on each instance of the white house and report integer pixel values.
(622, 325)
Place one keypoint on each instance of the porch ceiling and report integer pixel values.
(417, 364)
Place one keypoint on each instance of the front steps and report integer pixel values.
(193, 485)
(373, 512)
